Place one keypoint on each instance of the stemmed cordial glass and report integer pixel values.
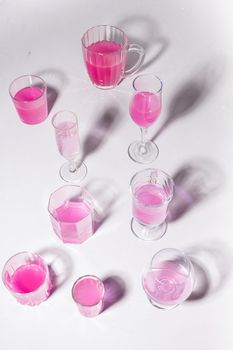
(65, 124)
(152, 191)
(144, 109)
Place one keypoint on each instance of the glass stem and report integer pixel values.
(143, 140)
(72, 166)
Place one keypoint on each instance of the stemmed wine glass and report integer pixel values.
(169, 279)
(65, 124)
(144, 109)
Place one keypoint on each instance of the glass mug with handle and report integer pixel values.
(105, 49)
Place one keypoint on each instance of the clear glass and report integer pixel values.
(169, 279)
(29, 95)
(145, 107)
(88, 293)
(26, 276)
(65, 124)
(151, 190)
(104, 51)
(71, 213)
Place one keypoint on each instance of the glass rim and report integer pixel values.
(124, 45)
(26, 76)
(30, 254)
(179, 253)
(64, 111)
(148, 75)
(91, 277)
(76, 186)
(153, 205)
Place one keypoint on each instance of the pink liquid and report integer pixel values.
(27, 278)
(88, 292)
(67, 138)
(169, 284)
(72, 211)
(149, 204)
(73, 221)
(105, 62)
(145, 108)
(31, 105)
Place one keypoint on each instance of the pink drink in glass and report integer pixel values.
(88, 293)
(105, 62)
(29, 94)
(67, 138)
(27, 277)
(73, 221)
(152, 190)
(150, 204)
(168, 285)
(31, 113)
(145, 108)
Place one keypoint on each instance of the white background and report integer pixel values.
(189, 45)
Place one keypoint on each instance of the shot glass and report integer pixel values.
(26, 276)
(71, 213)
(169, 279)
(152, 191)
(105, 49)
(88, 293)
(29, 95)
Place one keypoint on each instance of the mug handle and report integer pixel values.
(141, 53)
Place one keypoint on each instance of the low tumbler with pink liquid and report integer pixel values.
(29, 94)
(26, 276)
(152, 191)
(144, 109)
(65, 124)
(105, 50)
(71, 213)
(169, 279)
(88, 293)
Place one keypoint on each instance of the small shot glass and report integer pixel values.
(26, 276)
(88, 293)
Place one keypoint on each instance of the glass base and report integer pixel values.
(162, 307)
(102, 87)
(73, 176)
(143, 153)
(147, 232)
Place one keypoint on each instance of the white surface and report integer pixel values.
(198, 52)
